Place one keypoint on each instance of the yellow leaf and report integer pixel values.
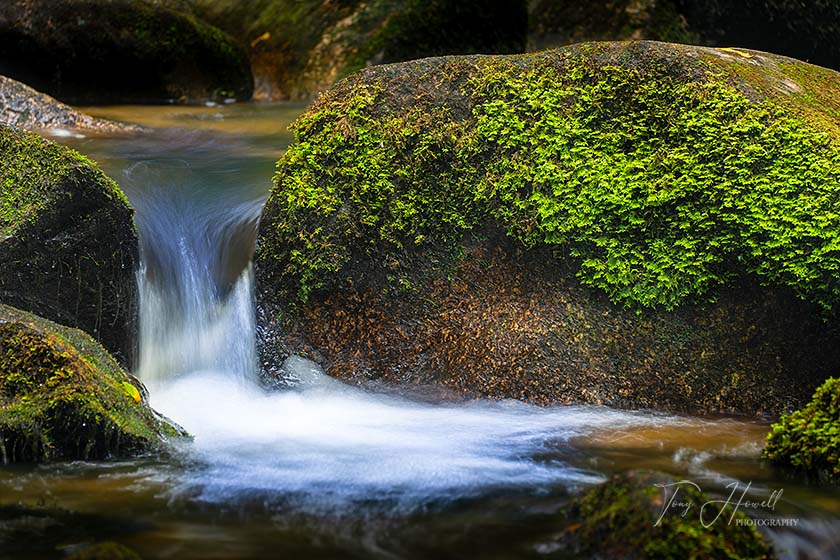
(131, 391)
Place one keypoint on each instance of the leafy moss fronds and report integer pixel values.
(661, 182)
(808, 440)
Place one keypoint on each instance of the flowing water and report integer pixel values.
(325, 470)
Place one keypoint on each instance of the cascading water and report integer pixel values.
(190, 318)
(324, 450)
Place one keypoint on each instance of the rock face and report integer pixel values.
(621, 519)
(68, 247)
(62, 396)
(804, 30)
(107, 51)
(808, 441)
(636, 224)
(299, 47)
(23, 107)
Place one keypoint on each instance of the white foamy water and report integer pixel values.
(327, 442)
(321, 442)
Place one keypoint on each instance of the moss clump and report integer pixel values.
(100, 51)
(33, 171)
(808, 440)
(62, 396)
(618, 519)
(68, 246)
(657, 170)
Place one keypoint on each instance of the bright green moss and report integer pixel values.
(34, 174)
(657, 176)
(808, 440)
(63, 396)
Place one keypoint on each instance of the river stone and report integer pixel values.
(23, 107)
(119, 51)
(503, 227)
(300, 47)
(68, 246)
(621, 519)
(63, 397)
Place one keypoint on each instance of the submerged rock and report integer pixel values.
(62, 396)
(23, 107)
(808, 441)
(119, 51)
(300, 47)
(621, 519)
(68, 246)
(635, 224)
(27, 531)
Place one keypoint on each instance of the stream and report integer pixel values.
(326, 470)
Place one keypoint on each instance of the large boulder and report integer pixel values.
(807, 441)
(68, 246)
(299, 47)
(62, 396)
(109, 51)
(637, 224)
(804, 30)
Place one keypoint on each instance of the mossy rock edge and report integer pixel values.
(68, 245)
(623, 518)
(637, 224)
(63, 397)
(807, 441)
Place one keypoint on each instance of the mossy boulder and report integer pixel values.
(628, 517)
(300, 47)
(23, 107)
(808, 441)
(62, 396)
(119, 51)
(804, 30)
(68, 245)
(637, 224)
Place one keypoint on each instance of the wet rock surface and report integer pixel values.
(62, 396)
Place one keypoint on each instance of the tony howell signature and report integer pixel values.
(712, 510)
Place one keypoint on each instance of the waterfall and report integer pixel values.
(195, 281)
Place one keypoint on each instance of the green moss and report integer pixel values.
(34, 173)
(618, 519)
(808, 440)
(657, 173)
(63, 396)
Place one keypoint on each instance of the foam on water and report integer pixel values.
(326, 441)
